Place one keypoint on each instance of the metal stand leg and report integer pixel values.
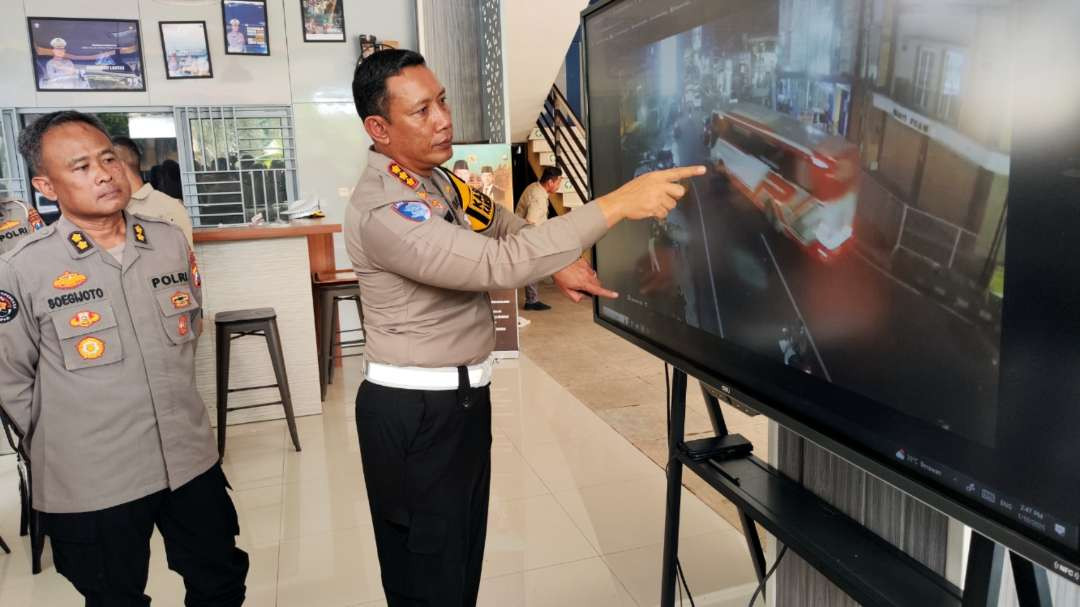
(1032, 585)
(327, 305)
(716, 416)
(674, 488)
(982, 585)
(277, 357)
(222, 341)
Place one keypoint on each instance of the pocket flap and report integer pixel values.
(175, 301)
(80, 320)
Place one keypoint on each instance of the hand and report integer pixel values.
(650, 195)
(578, 280)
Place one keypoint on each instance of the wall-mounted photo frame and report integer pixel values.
(186, 49)
(86, 54)
(247, 30)
(324, 20)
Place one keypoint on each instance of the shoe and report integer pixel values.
(538, 306)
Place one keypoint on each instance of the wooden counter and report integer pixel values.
(319, 233)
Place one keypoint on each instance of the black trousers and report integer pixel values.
(427, 465)
(105, 554)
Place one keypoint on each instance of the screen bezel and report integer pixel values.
(1059, 560)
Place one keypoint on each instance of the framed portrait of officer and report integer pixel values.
(247, 30)
(86, 54)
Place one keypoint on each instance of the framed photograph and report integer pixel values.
(246, 29)
(324, 20)
(86, 54)
(186, 49)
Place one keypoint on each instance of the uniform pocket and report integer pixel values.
(180, 314)
(88, 336)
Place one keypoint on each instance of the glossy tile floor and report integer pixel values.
(576, 513)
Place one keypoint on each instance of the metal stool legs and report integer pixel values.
(222, 342)
(277, 357)
(328, 318)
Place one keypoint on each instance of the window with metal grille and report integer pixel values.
(236, 162)
(12, 181)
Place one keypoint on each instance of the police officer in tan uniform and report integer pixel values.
(99, 315)
(426, 250)
(145, 200)
(17, 221)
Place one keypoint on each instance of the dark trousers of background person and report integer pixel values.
(106, 554)
(427, 465)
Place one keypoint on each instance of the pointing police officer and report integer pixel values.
(426, 250)
(99, 314)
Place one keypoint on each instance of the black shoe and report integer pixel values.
(538, 306)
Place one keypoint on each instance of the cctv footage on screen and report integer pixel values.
(851, 224)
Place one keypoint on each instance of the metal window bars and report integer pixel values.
(12, 179)
(236, 162)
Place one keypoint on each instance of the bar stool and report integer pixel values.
(331, 288)
(235, 324)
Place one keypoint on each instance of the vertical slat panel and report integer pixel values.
(452, 46)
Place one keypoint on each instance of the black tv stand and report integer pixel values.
(862, 564)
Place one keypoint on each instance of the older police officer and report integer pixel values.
(426, 249)
(99, 314)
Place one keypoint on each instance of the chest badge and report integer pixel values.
(79, 241)
(69, 280)
(9, 307)
(91, 348)
(182, 326)
(180, 300)
(84, 319)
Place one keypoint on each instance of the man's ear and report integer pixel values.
(378, 128)
(43, 185)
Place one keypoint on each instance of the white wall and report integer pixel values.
(315, 78)
(536, 36)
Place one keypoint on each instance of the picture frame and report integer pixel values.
(185, 48)
(86, 55)
(246, 27)
(323, 20)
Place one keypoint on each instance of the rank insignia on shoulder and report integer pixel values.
(140, 233)
(90, 348)
(397, 171)
(413, 210)
(69, 280)
(79, 241)
(9, 307)
(180, 300)
(84, 319)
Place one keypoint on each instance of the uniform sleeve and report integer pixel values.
(183, 221)
(437, 253)
(505, 223)
(19, 341)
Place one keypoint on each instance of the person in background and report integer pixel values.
(17, 221)
(99, 316)
(60, 72)
(533, 208)
(492, 191)
(165, 178)
(461, 169)
(145, 200)
(235, 38)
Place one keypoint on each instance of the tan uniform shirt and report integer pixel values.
(533, 205)
(17, 222)
(97, 364)
(149, 202)
(424, 273)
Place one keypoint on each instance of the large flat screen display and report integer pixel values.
(884, 250)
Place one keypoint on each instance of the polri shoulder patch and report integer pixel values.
(413, 210)
(9, 307)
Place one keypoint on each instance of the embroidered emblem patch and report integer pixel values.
(140, 233)
(182, 325)
(180, 300)
(7, 225)
(9, 307)
(79, 241)
(84, 319)
(35, 219)
(196, 278)
(91, 348)
(413, 210)
(69, 280)
(403, 175)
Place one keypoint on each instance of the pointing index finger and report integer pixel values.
(680, 173)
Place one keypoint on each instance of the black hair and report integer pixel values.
(369, 79)
(461, 164)
(487, 169)
(31, 136)
(550, 173)
(136, 152)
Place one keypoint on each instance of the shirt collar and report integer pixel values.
(142, 193)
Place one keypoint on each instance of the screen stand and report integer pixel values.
(866, 567)
(982, 584)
